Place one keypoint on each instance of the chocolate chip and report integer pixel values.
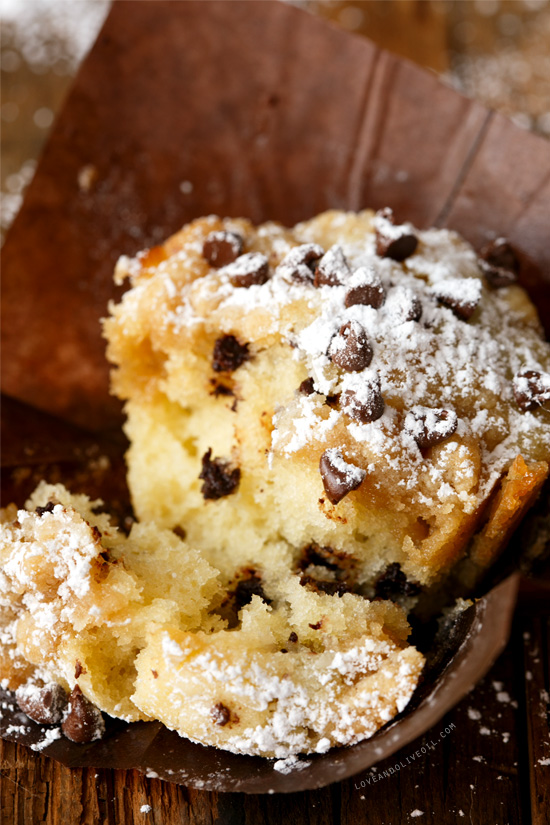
(220, 714)
(461, 295)
(155, 674)
(339, 477)
(219, 480)
(393, 583)
(222, 248)
(404, 305)
(248, 587)
(531, 389)
(307, 387)
(293, 638)
(249, 269)
(333, 268)
(429, 427)
(364, 403)
(299, 264)
(350, 349)
(83, 721)
(42, 704)
(499, 263)
(331, 587)
(229, 354)
(317, 626)
(78, 669)
(365, 288)
(47, 509)
(332, 401)
(247, 583)
(395, 242)
(325, 570)
(220, 389)
(315, 555)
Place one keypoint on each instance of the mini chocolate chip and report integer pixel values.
(222, 248)
(365, 288)
(155, 674)
(179, 532)
(248, 587)
(42, 704)
(249, 269)
(429, 427)
(220, 389)
(350, 349)
(332, 400)
(331, 587)
(299, 264)
(307, 387)
(365, 402)
(461, 295)
(219, 480)
(317, 625)
(339, 477)
(220, 714)
(393, 582)
(293, 637)
(531, 389)
(395, 242)
(404, 305)
(499, 263)
(333, 268)
(335, 560)
(47, 509)
(78, 669)
(83, 721)
(229, 354)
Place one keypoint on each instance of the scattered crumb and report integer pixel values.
(416, 812)
(291, 763)
(474, 714)
(87, 176)
(145, 809)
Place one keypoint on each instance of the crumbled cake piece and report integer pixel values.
(411, 366)
(142, 627)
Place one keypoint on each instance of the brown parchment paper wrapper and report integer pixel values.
(248, 108)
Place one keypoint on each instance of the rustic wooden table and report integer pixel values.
(488, 761)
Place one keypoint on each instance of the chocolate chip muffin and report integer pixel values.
(336, 418)
(351, 383)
